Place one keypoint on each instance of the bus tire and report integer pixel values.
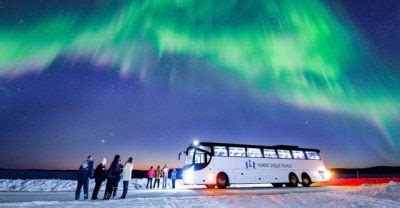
(222, 180)
(293, 180)
(277, 185)
(210, 186)
(305, 180)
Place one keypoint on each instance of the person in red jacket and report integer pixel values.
(150, 176)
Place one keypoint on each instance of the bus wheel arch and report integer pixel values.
(293, 180)
(222, 180)
(305, 179)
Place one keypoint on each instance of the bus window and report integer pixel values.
(237, 152)
(285, 154)
(205, 148)
(220, 151)
(298, 154)
(189, 157)
(270, 153)
(311, 155)
(254, 152)
(200, 157)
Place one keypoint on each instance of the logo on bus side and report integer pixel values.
(252, 165)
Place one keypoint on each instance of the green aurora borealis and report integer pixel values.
(283, 49)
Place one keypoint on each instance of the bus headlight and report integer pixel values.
(325, 174)
(210, 178)
(329, 174)
(188, 176)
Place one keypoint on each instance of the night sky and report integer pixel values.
(145, 78)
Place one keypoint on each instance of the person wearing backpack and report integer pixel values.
(85, 173)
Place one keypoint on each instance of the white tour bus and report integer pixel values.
(222, 164)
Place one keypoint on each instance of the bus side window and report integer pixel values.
(254, 152)
(237, 152)
(284, 154)
(200, 157)
(311, 155)
(220, 151)
(298, 154)
(270, 153)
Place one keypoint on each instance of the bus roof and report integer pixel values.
(285, 147)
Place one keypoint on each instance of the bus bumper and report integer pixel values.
(192, 177)
(188, 176)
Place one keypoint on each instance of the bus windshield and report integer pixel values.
(189, 156)
(200, 155)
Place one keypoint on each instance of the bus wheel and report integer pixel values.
(305, 180)
(293, 180)
(277, 185)
(210, 186)
(222, 180)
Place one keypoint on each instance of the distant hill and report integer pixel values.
(362, 172)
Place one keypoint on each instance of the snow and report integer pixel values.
(383, 195)
(37, 185)
(70, 185)
(390, 191)
(67, 185)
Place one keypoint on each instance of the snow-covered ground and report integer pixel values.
(385, 195)
(70, 185)
(63, 185)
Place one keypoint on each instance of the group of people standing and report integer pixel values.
(112, 175)
(156, 174)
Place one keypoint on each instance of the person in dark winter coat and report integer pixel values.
(118, 175)
(112, 176)
(100, 175)
(173, 178)
(85, 173)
